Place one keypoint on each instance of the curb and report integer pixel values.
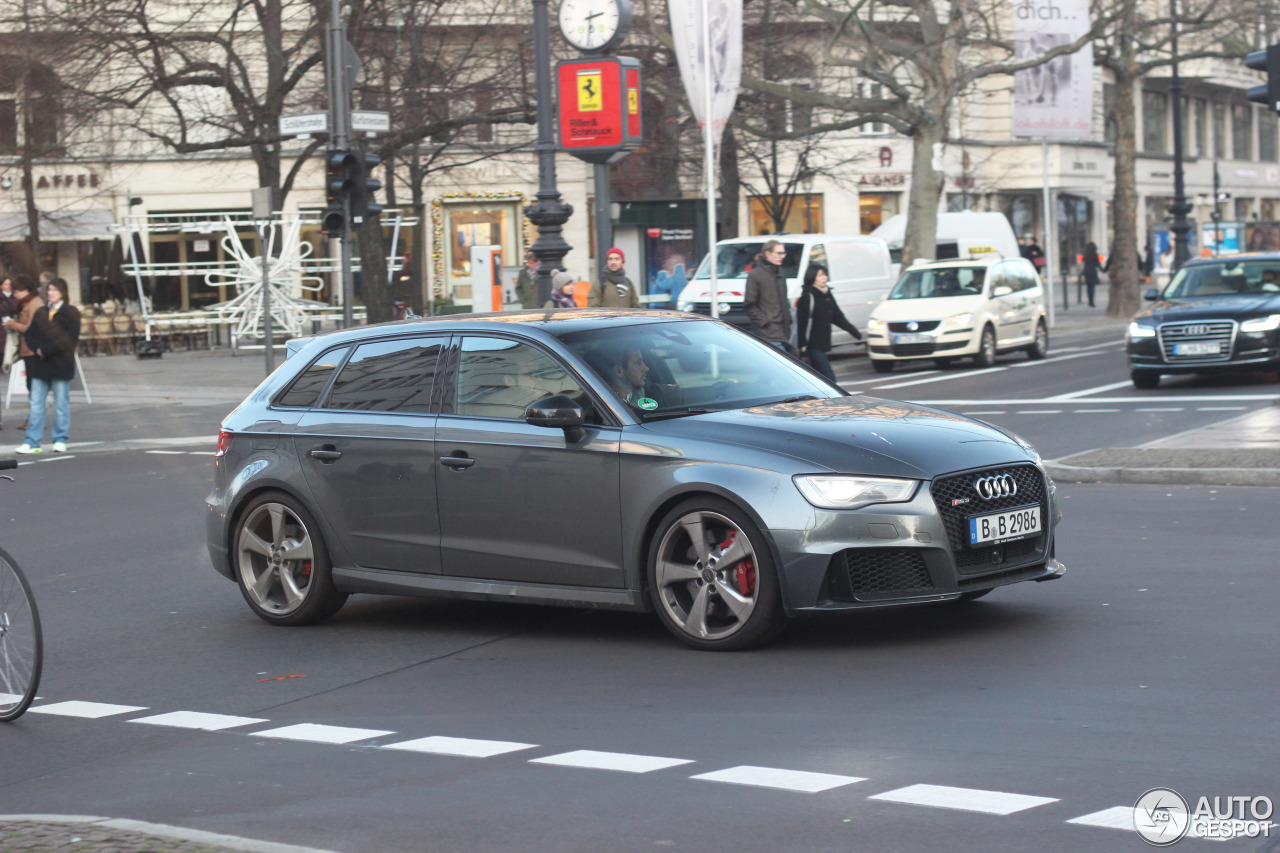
(161, 830)
(1165, 476)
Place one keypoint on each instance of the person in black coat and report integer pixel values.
(1091, 267)
(52, 337)
(816, 313)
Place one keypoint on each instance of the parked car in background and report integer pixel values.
(1217, 315)
(610, 459)
(944, 310)
(859, 268)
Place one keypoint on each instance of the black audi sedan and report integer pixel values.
(1216, 315)
(635, 460)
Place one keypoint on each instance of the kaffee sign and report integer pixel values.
(599, 107)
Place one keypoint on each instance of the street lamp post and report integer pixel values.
(1180, 208)
(549, 214)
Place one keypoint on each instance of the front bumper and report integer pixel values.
(950, 344)
(914, 553)
(1243, 351)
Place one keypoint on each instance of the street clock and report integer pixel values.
(595, 26)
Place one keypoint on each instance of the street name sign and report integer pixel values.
(304, 124)
(370, 121)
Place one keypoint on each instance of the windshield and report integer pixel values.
(939, 282)
(734, 260)
(686, 367)
(1228, 278)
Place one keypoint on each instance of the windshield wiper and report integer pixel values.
(660, 416)
(799, 399)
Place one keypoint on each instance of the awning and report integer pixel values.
(59, 225)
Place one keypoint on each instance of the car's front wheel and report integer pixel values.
(1040, 346)
(880, 365)
(712, 578)
(986, 355)
(281, 563)
(1144, 379)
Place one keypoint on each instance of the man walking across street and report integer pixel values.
(52, 337)
(766, 300)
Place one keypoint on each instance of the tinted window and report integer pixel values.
(500, 379)
(305, 390)
(734, 260)
(388, 376)
(1228, 278)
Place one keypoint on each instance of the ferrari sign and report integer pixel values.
(599, 101)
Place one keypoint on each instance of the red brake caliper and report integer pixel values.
(744, 574)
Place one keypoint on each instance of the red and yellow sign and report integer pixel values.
(599, 100)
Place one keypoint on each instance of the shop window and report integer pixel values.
(460, 224)
(875, 208)
(800, 214)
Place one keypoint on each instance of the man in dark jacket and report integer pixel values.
(52, 337)
(766, 300)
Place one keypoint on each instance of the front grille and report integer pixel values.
(945, 490)
(921, 326)
(913, 349)
(878, 573)
(1219, 332)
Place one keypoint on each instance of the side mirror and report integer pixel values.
(1001, 290)
(558, 412)
(1151, 295)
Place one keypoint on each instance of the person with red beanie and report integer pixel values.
(614, 290)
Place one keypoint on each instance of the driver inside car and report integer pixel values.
(628, 374)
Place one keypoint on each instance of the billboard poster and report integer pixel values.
(1222, 239)
(1054, 99)
(670, 261)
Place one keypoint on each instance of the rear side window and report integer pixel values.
(388, 376)
(306, 389)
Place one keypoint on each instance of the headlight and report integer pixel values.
(843, 491)
(956, 321)
(686, 307)
(1261, 324)
(874, 325)
(1137, 330)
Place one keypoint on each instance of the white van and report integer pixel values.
(967, 235)
(859, 267)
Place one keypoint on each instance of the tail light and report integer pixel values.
(224, 443)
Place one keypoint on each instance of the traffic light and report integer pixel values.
(1268, 62)
(339, 183)
(363, 187)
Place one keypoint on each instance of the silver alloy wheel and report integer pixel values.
(275, 558)
(702, 563)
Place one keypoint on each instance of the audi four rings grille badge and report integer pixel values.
(999, 486)
(1195, 331)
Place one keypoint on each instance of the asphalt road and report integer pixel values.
(1077, 399)
(1151, 663)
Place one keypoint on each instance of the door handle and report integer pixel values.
(458, 463)
(326, 453)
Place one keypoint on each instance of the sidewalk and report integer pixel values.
(63, 833)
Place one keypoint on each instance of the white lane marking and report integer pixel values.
(168, 452)
(1220, 408)
(786, 780)
(1167, 409)
(57, 457)
(1055, 359)
(1088, 392)
(202, 453)
(611, 761)
(198, 720)
(1116, 344)
(1116, 817)
(964, 799)
(992, 412)
(88, 710)
(467, 747)
(1093, 411)
(1039, 412)
(9, 698)
(960, 375)
(321, 734)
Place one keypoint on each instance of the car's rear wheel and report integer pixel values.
(882, 365)
(986, 355)
(1144, 379)
(1040, 346)
(712, 578)
(281, 563)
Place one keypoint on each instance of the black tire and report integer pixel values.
(986, 354)
(703, 606)
(289, 579)
(21, 642)
(881, 365)
(1040, 347)
(1144, 379)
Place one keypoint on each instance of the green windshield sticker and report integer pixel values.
(647, 403)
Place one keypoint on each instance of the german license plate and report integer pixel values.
(1006, 526)
(1200, 348)
(912, 339)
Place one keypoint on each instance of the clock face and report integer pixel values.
(593, 24)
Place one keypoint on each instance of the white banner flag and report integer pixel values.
(726, 56)
(1054, 99)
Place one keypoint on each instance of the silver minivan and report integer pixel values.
(860, 270)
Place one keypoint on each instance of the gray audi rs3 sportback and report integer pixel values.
(635, 460)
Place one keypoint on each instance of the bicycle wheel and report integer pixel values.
(21, 644)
